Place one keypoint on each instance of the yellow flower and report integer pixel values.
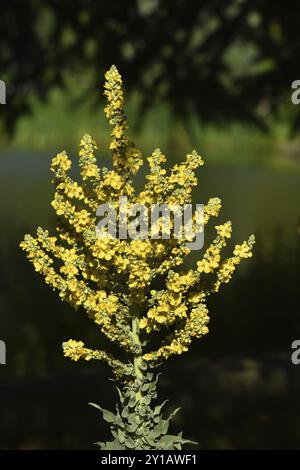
(72, 285)
(140, 248)
(73, 349)
(69, 269)
(74, 190)
(210, 261)
(90, 171)
(227, 269)
(224, 230)
(61, 160)
(196, 297)
(69, 255)
(243, 251)
(143, 323)
(82, 218)
(113, 179)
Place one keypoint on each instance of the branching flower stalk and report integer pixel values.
(132, 289)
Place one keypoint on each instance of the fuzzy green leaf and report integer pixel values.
(107, 415)
(121, 436)
(158, 408)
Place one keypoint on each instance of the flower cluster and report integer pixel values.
(131, 289)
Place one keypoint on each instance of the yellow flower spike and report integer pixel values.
(130, 288)
(126, 157)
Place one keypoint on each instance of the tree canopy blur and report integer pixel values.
(220, 60)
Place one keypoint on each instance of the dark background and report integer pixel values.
(205, 75)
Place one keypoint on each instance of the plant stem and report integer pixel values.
(137, 361)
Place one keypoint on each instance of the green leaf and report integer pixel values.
(140, 431)
(161, 428)
(130, 443)
(168, 441)
(173, 413)
(114, 445)
(158, 408)
(150, 440)
(107, 415)
(120, 395)
(100, 444)
(121, 435)
(187, 441)
(173, 442)
(145, 387)
(143, 410)
(132, 402)
(125, 412)
(131, 427)
(164, 426)
(147, 400)
(157, 377)
(95, 406)
(178, 446)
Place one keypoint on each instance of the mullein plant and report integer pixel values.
(132, 289)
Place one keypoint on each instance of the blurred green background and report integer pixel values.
(201, 76)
